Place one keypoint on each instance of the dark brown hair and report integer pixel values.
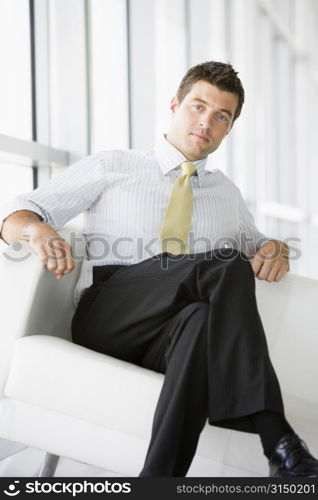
(220, 74)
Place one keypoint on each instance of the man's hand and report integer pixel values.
(270, 263)
(54, 252)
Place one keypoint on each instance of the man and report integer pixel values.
(169, 283)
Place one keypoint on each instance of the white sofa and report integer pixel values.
(76, 403)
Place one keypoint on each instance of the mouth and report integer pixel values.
(201, 138)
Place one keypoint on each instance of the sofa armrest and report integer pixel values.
(288, 312)
(33, 301)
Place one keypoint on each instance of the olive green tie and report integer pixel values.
(177, 218)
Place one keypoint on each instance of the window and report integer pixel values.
(15, 81)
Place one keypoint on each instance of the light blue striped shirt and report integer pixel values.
(124, 195)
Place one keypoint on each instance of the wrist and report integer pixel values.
(33, 229)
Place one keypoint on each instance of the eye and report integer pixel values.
(197, 106)
(222, 117)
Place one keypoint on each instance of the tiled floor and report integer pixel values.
(26, 462)
(17, 460)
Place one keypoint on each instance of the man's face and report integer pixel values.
(201, 120)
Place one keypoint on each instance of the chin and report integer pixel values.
(192, 157)
(196, 155)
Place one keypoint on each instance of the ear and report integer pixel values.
(174, 104)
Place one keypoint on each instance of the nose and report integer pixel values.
(204, 127)
(205, 121)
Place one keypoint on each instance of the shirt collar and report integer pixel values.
(170, 157)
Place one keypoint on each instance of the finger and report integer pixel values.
(58, 251)
(51, 261)
(283, 270)
(274, 271)
(69, 261)
(64, 258)
(46, 255)
(256, 263)
(264, 270)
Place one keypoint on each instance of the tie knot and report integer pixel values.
(188, 168)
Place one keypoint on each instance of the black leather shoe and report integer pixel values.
(291, 458)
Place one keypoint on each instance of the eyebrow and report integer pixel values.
(205, 102)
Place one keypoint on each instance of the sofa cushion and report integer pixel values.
(56, 374)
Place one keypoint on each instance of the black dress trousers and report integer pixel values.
(195, 319)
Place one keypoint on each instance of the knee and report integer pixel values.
(235, 260)
(200, 309)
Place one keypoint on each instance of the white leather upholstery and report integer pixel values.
(290, 318)
(55, 374)
(75, 402)
(30, 298)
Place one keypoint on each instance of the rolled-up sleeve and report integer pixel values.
(249, 237)
(66, 195)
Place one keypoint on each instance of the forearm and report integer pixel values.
(15, 227)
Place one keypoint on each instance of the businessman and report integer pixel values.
(169, 278)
